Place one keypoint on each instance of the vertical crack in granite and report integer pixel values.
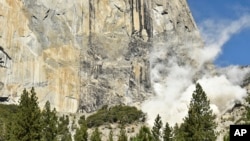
(131, 2)
(148, 25)
(81, 55)
(141, 11)
(140, 17)
(91, 21)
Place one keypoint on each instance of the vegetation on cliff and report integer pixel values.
(81, 133)
(117, 114)
(200, 121)
(6, 116)
(27, 122)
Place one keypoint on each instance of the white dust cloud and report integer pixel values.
(177, 64)
(235, 74)
(217, 33)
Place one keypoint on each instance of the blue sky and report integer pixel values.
(222, 13)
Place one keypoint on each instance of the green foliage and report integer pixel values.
(167, 133)
(156, 130)
(63, 130)
(199, 125)
(177, 134)
(66, 137)
(247, 114)
(143, 135)
(27, 124)
(50, 122)
(82, 120)
(7, 113)
(116, 114)
(122, 136)
(81, 133)
(96, 135)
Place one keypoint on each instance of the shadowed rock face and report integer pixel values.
(83, 54)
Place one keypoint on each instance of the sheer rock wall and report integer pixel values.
(83, 54)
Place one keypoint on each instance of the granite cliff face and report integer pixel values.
(81, 55)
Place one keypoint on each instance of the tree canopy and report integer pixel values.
(156, 130)
(27, 125)
(199, 124)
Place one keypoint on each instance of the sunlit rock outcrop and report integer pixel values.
(81, 55)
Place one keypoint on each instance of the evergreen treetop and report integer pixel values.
(96, 135)
(167, 133)
(81, 133)
(50, 122)
(156, 130)
(27, 126)
(143, 135)
(199, 123)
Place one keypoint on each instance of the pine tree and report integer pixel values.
(27, 126)
(2, 129)
(167, 133)
(7, 113)
(156, 130)
(111, 135)
(199, 125)
(81, 133)
(66, 137)
(95, 135)
(49, 120)
(122, 136)
(10, 130)
(143, 135)
(63, 130)
(177, 134)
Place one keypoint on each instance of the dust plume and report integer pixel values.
(180, 62)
